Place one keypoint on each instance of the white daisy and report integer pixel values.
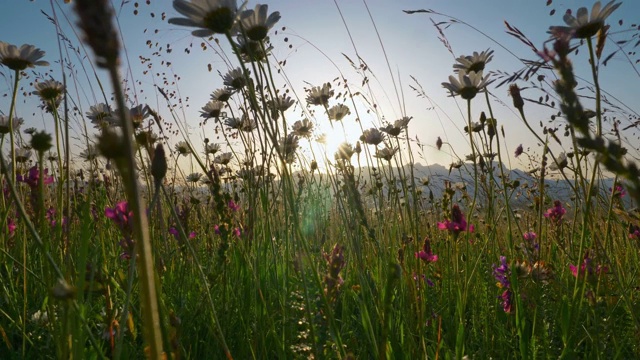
(5, 125)
(223, 159)
(467, 85)
(234, 79)
(256, 24)
(194, 177)
(372, 136)
(303, 128)
(182, 148)
(338, 112)
(49, 91)
(386, 153)
(210, 16)
(320, 95)
(475, 62)
(212, 109)
(583, 27)
(19, 59)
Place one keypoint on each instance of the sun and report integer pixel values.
(335, 134)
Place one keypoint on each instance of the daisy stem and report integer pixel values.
(475, 165)
(141, 230)
(11, 129)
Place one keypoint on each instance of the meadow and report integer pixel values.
(259, 242)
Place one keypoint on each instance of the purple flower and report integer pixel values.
(529, 236)
(120, 215)
(555, 213)
(502, 273)
(11, 226)
(519, 150)
(173, 231)
(634, 232)
(507, 301)
(426, 254)
(618, 191)
(587, 267)
(33, 176)
(457, 223)
(233, 206)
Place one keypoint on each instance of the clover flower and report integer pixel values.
(475, 62)
(256, 24)
(519, 150)
(555, 213)
(18, 59)
(581, 26)
(122, 216)
(468, 84)
(587, 267)
(457, 223)
(210, 16)
(426, 254)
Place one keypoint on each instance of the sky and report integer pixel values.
(315, 42)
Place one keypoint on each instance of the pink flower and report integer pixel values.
(33, 176)
(173, 231)
(120, 214)
(457, 223)
(507, 301)
(233, 206)
(555, 213)
(11, 226)
(426, 254)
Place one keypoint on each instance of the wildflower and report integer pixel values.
(5, 125)
(182, 148)
(502, 273)
(457, 223)
(243, 124)
(425, 180)
(519, 150)
(194, 177)
(475, 127)
(222, 95)
(223, 159)
(439, 143)
(386, 153)
(583, 27)
(560, 163)
(23, 154)
(475, 62)
(507, 301)
(27, 56)
(210, 16)
(372, 136)
(250, 50)
(397, 127)
(514, 92)
(138, 113)
(529, 236)
(256, 24)
(467, 85)
(212, 109)
(30, 130)
(303, 128)
(345, 152)
(211, 149)
(100, 115)
(426, 254)
(280, 104)
(333, 280)
(338, 112)
(173, 231)
(50, 91)
(33, 177)
(320, 95)
(11, 226)
(233, 206)
(288, 147)
(587, 268)
(634, 232)
(90, 153)
(618, 191)
(120, 215)
(556, 212)
(234, 79)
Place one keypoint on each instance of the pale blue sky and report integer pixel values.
(411, 43)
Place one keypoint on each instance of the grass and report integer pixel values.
(263, 253)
